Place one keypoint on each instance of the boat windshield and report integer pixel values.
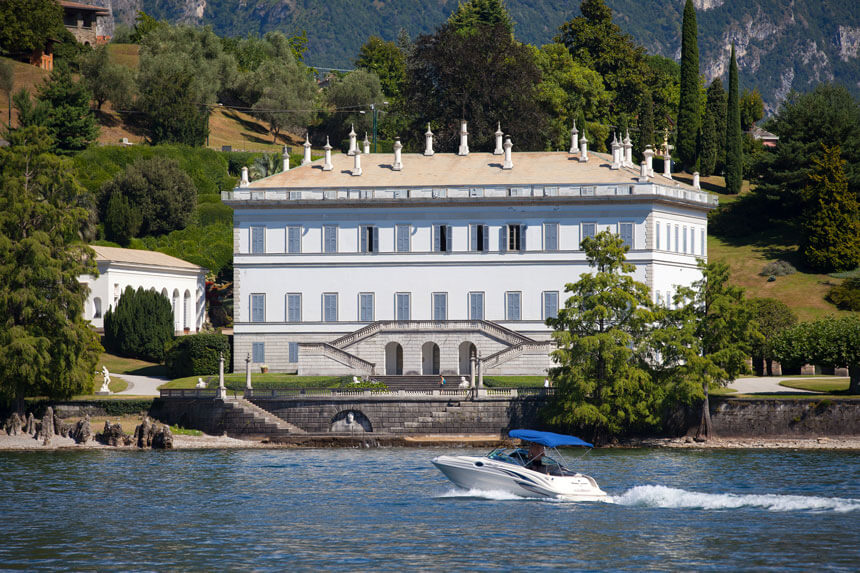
(520, 457)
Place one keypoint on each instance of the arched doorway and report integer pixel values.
(393, 359)
(186, 311)
(467, 352)
(430, 358)
(177, 311)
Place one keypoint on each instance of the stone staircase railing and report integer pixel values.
(268, 417)
(360, 365)
(508, 354)
(491, 328)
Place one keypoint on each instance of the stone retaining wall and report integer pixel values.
(775, 418)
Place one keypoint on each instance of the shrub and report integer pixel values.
(196, 355)
(846, 296)
(140, 325)
(778, 269)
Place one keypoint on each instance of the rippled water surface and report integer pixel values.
(390, 509)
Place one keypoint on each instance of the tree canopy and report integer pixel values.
(140, 325)
(828, 342)
(26, 26)
(689, 118)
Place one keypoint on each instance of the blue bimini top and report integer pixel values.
(548, 439)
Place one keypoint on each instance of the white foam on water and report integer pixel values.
(669, 497)
(496, 495)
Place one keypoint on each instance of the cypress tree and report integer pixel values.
(689, 118)
(580, 124)
(734, 144)
(716, 108)
(831, 240)
(708, 152)
(646, 123)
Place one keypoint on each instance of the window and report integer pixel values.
(587, 191)
(512, 305)
(550, 304)
(550, 191)
(519, 192)
(258, 352)
(476, 192)
(677, 240)
(368, 238)
(625, 230)
(479, 238)
(439, 193)
(328, 195)
(294, 239)
(550, 236)
(97, 307)
(258, 240)
(329, 239)
(401, 305)
(692, 241)
(588, 230)
(658, 299)
(442, 242)
(365, 307)
(402, 232)
(293, 349)
(365, 194)
(295, 195)
(294, 307)
(668, 237)
(684, 235)
(401, 193)
(702, 242)
(516, 236)
(330, 307)
(258, 308)
(476, 306)
(657, 235)
(440, 306)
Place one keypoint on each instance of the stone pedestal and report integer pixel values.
(807, 370)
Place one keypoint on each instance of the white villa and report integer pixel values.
(392, 264)
(179, 281)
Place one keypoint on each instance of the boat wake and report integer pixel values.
(673, 498)
(495, 495)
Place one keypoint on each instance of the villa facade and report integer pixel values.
(428, 263)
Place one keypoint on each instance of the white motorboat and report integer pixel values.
(526, 473)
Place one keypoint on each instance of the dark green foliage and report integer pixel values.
(831, 240)
(114, 407)
(689, 119)
(7, 84)
(68, 118)
(709, 145)
(30, 113)
(46, 347)
(140, 325)
(734, 143)
(26, 26)
(106, 80)
(121, 221)
(716, 108)
(144, 25)
(159, 190)
(772, 316)
(469, 16)
(827, 342)
(196, 355)
(387, 61)
(352, 93)
(752, 108)
(646, 124)
(484, 77)
(846, 296)
(210, 246)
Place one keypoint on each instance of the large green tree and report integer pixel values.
(772, 316)
(106, 80)
(69, 118)
(708, 146)
(46, 347)
(27, 26)
(646, 124)
(715, 109)
(287, 95)
(387, 61)
(831, 229)
(752, 108)
(140, 326)
(827, 342)
(734, 141)
(603, 384)
(689, 117)
(472, 14)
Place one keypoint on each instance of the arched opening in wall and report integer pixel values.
(467, 352)
(350, 421)
(393, 359)
(186, 311)
(430, 358)
(177, 311)
(97, 307)
(164, 293)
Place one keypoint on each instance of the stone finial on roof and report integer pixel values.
(286, 157)
(616, 152)
(643, 171)
(244, 182)
(353, 146)
(583, 149)
(327, 166)
(649, 160)
(398, 163)
(628, 150)
(464, 139)
(509, 164)
(696, 182)
(356, 170)
(499, 150)
(366, 144)
(307, 157)
(574, 139)
(428, 142)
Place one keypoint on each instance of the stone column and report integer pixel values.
(696, 183)
(221, 393)
(248, 372)
(480, 373)
(244, 182)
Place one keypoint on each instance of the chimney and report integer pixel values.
(398, 164)
(286, 158)
(649, 160)
(244, 181)
(428, 142)
(356, 170)
(464, 139)
(643, 171)
(307, 158)
(353, 147)
(508, 163)
(327, 166)
(498, 150)
(366, 143)
(628, 150)
(667, 166)
(574, 139)
(696, 183)
(583, 150)
(616, 153)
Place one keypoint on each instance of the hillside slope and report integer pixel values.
(781, 44)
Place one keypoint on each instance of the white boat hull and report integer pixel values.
(485, 474)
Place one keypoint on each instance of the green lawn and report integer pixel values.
(119, 365)
(829, 385)
(514, 381)
(267, 381)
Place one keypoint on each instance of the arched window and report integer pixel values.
(97, 307)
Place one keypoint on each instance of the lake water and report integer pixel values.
(391, 510)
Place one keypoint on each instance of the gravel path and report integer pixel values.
(140, 385)
(765, 385)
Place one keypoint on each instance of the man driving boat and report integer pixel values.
(536, 454)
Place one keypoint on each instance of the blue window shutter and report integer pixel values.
(485, 238)
(551, 237)
(522, 237)
(294, 351)
(258, 308)
(476, 303)
(449, 243)
(294, 239)
(657, 235)
(375, 247)
(550, 304)
(258, 352)
(437, 240)
(294, 308)
(473, 237)
(362, 232)
(258, 239)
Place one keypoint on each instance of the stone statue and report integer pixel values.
(106, 382)
(355, 380)
(201, 383)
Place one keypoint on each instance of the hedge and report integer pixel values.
(196, 355)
